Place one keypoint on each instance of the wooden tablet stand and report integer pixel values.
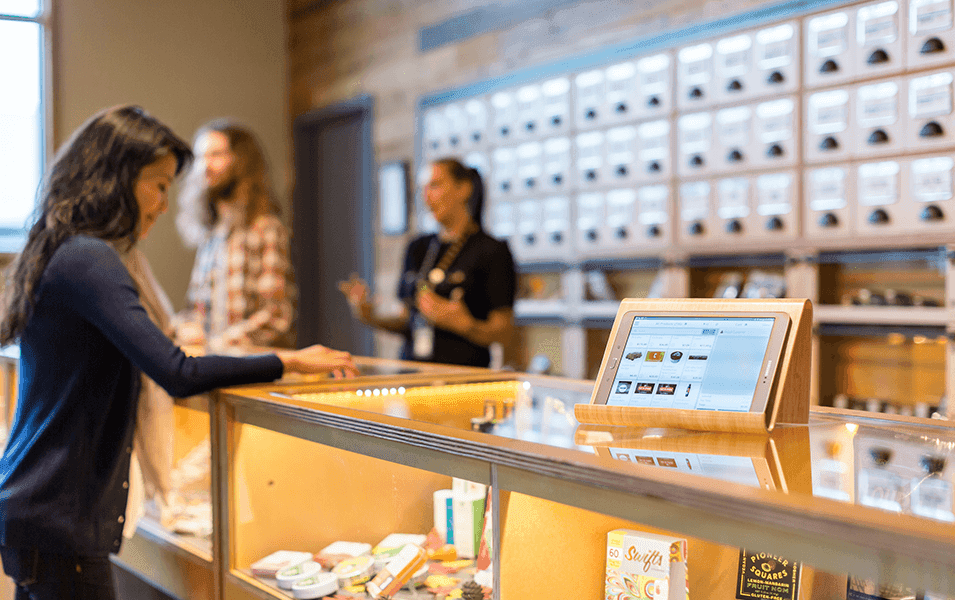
(788, 402)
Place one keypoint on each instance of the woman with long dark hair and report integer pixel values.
(84, 339)
(458, 285)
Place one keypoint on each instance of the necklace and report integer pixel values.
(437, 274)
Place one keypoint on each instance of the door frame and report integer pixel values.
(305, 215)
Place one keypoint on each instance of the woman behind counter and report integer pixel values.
(84, 338)
(458, 285)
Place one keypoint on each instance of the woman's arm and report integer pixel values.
(356, 292)
(92, 281)
(453, 315)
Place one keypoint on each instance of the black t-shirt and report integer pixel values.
(484, 269)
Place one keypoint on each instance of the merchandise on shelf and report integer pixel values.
(644, 565)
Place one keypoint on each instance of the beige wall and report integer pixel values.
(186, 61)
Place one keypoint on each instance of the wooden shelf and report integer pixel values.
(882, 315)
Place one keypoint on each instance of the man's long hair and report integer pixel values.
(198, 214)
(89, 189)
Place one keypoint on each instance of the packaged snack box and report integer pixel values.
(645, 566)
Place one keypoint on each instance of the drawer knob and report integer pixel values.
(775, 151)
(880, 456)
(879, 217)
(654, 167)
(932, 464)
(734, 226)
(592, 235)
(622, 108)
(931, 129)
(931, 46)
(775, 78)
(932, 213)
(591, 175)
(556, 120)
(621, 233)
(622, 170)
(696, 161)
(828, 220)
(829, 143)
(830, 66)
(591, 114)
(878, 57)
(530, 125)
(653, 231)
(653, 101)
(696, 93)
(696, 228)
(530, 239)
(557, 237)
(505, 131)
(878, 136)
(734, 86)
(454, 140)
(735, 156)
(774, 224)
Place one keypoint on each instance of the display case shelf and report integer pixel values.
(540, 479)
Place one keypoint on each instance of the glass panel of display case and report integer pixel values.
(913, 279)
(709, 505)
(895, 373)
(295, 526)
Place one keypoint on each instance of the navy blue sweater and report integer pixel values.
(64, 475)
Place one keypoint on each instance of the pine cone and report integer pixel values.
(472, 591)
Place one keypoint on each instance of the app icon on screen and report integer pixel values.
(666, 389)
(623, 387)
(676, 355)
(633, 355)
(645, 388)
(655, 356)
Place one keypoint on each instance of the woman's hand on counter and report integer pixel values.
(318, 359)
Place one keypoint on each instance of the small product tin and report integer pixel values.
(321, 584)
(287, 577)
(354, 571)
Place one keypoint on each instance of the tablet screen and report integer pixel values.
(695, 362)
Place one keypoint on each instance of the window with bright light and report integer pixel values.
(21, 116)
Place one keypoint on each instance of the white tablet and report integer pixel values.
(693, 360)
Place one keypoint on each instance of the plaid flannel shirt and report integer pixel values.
(241, 289)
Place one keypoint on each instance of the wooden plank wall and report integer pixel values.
(343, 48)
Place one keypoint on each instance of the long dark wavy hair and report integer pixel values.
(88, 189)
(460, 173)
(198, 213)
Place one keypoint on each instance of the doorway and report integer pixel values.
(332, 224)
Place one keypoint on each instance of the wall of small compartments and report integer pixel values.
(815, 132)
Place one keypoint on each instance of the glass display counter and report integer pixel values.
(856, 500)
